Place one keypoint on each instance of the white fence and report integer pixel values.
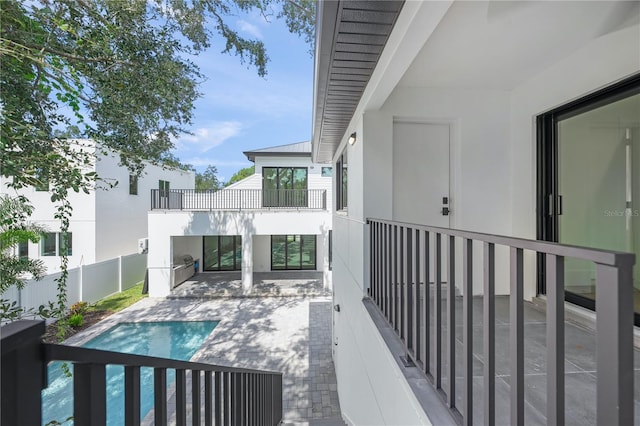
(88, 283)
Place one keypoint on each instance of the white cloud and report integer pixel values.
(250, 29)
(209, 137)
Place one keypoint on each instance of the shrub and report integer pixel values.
(75, 320)
(79, 308)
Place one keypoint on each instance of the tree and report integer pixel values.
(241, 174)
(116, 70)
(208, 180)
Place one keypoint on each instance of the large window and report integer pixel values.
(284, 186)
(222, 253)
(342, 182)
(293, 252)
(56, 244)
(23, 249)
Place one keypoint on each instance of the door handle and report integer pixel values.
(445, 211)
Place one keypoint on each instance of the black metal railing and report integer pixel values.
(231, 395)
(401, 258)
(238, 199)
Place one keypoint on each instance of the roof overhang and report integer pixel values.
(350, 37)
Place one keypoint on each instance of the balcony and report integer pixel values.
(238, 199)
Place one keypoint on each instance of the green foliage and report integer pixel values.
(208, 180)
(75, 320)
(14, 229)
(241, 174)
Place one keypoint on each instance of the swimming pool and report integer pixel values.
(170, 339)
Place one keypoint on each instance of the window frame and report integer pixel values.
(133, 184)
(342, 182)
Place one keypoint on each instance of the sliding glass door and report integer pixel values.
(284, 186)
(293, 252)
(222, 253)
(592, 182)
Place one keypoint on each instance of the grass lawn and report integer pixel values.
(119, 301)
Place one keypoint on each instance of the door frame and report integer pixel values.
(454, 156)
(547, 168)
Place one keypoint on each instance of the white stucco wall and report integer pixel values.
(122, 217)
(254, 227)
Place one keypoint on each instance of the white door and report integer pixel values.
(421, 173)
(421, 180)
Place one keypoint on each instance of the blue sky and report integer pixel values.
(240, 111)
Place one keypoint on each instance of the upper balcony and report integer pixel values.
(239, 199)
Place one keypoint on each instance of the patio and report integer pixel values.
(265, 284)
(286, 334)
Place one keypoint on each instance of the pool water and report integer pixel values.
(170, 339)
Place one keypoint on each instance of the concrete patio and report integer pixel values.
(265, 284)
(286, 334)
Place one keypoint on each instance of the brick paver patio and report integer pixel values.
(286, 334)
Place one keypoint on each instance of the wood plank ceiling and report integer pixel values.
(351, 37)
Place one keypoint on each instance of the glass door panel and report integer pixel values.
(211, 255)
(269, 186)
(599, 185)
(300, 187)
(227, 253)
(293, 252)
(278, 251)
(308, 251)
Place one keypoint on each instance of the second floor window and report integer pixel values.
(284, 186)
(342, 182)
(133, 185)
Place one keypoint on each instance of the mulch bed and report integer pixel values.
(90, 318)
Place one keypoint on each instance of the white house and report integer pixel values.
(107, 222)
(518, 119)
(278, 219)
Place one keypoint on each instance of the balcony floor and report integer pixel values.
(287, 334)
(265, 284)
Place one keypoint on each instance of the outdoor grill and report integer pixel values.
(183, 269)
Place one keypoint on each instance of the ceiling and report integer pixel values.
(350, 38)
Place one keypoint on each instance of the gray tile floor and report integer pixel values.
(287, 334)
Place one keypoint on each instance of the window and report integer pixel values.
(330, 250)
(293, 252)
(163, 185)
(48, 244)
(284, 186)
(222, 253)
(341, 182)
(133, 184)
(43, 182)
(327, 172)
(23, 249)
(56, 244)
(65, 246)
(163, 192)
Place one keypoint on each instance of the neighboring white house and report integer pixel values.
(107, 222)
(502, 117)
(278, 219)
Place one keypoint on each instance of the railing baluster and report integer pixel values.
(467, 331)
(132, 395)
(409, 293)
(181, 397)
(437, 303)
(555, 339)
(614, 347)
(387, 275)
(208, 398)
(196, 402)
(489, 326)
(89, 394)
(451, 322)
(516, 337)
(417, 312)
(401, 291)
(160, 396)
(394, 283)
(218, 398)
(427, 305)
(227, 396)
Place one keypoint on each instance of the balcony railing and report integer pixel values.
(238, 199)
(401, 256)
(231, 395)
